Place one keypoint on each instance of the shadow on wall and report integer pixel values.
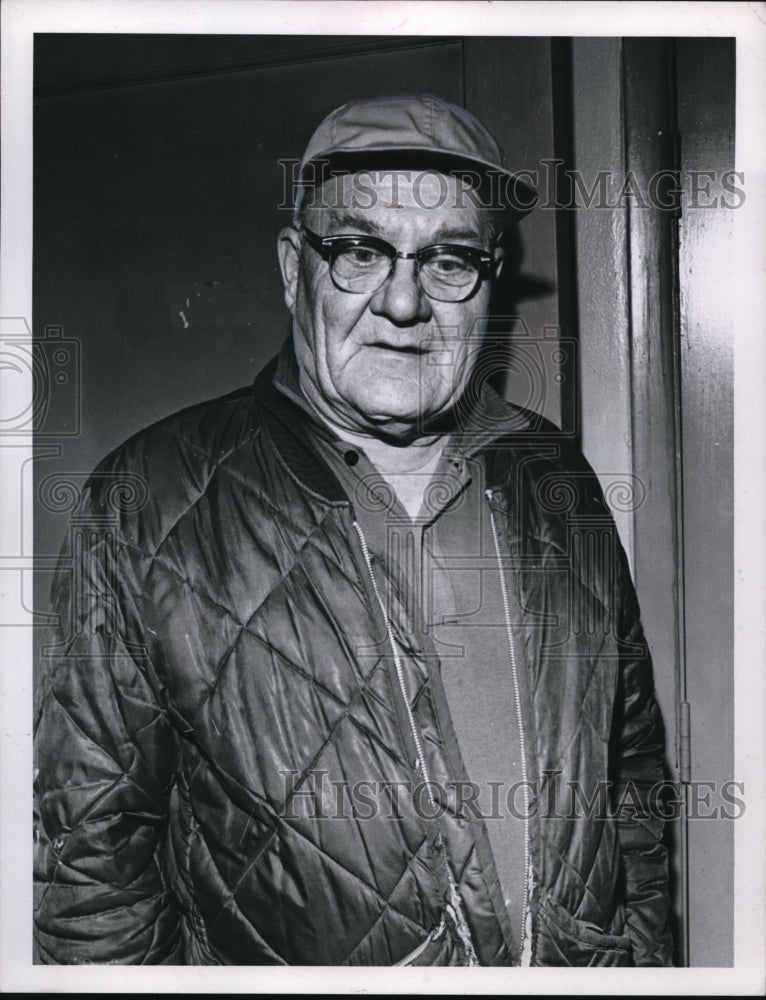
(500, 354)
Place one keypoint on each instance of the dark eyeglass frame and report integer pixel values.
(330, 247)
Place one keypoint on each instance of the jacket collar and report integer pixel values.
(285, 421)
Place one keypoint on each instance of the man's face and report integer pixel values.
(387, 361)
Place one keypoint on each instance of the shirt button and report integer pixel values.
(351, 457)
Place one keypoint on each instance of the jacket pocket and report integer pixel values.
(564, 940)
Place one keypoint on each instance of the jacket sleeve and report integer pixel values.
(638, 754)
(104, 765)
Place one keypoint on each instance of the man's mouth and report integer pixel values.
(415, 350)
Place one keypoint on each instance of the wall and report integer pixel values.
(706, 126)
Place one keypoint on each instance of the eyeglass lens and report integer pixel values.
(446, 275)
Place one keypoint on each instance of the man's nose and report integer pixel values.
(401, 299)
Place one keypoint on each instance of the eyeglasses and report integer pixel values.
(362, 264)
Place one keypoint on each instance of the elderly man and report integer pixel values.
(328, 694)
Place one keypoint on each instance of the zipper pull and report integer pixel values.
(526, 945)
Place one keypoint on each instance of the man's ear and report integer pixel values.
(288, 251)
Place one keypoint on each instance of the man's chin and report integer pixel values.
(397, 403)
(384, 423)
(395, 423)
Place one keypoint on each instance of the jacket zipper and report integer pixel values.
(455, 902)
(525, 946)
(414, 955)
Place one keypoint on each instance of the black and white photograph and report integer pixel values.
(382, 440)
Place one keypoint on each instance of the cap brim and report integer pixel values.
(499, 190)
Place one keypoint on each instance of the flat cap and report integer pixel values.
(422, 131)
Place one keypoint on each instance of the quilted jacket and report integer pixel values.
(222, 650)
